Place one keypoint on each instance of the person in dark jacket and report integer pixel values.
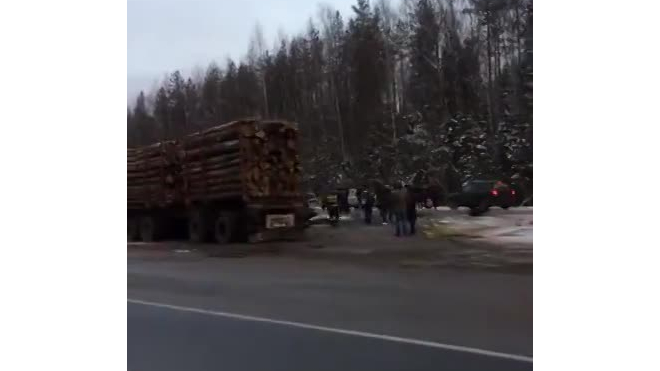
(342, 199)
(411, 209)
(399, 204)
(367, 205)
(383, 204)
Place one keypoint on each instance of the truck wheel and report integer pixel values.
(453, 206)
(198, 227)
(505, 206)
(133, 229)
(223, 228)
(148, 228)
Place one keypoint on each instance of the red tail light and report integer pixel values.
(494, 192)
(513, 193)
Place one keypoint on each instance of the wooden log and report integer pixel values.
(154, 170)
(229, 171)
(222, 157)
(152, 167)
(210, 151)
(150, 186)
(215, 189)
(198, 186)
(142, 189)
(158, 178)
(150, 164)
(154, 147)
(201, 183)
(231, 129)
(278, 125)
(200, 140)
(146, 174)
(215, 196)
(217, 179)
(228, 126)
(228, 158)
(212, 167)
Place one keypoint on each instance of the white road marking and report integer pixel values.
(431, 344)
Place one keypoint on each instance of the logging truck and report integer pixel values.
(237, 182)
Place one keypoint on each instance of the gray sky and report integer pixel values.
(166, 35)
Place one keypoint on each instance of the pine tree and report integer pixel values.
(162, 114)
(144, 128)
(177, 104)
(229, 103)
(367, 75)
(211, 106)
(192, 106)
(424, 84)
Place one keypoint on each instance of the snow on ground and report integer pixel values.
(514, 226)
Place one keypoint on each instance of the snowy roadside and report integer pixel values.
(505, 228)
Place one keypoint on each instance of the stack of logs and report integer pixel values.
(273, 166)
(153, 175)
(242, 158)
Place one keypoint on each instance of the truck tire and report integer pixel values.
(198, 227)
(149, 228)
(133, 229)
(453, 206)
(224, 227)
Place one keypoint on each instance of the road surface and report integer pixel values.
(270, 313)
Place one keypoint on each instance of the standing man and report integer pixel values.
(384, 201)
(411, 209)
(399, 205)
(367, 205)
(343, 201)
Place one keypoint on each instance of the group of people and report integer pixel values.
(397, 206)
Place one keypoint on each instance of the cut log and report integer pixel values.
(198, 140)
(211, 151)
(150, 164)
(216, 196)
(229, 171)
(206, 187)
(165, 179)
(146, 174)
(232, 158)
(212, 167)
(215, 190)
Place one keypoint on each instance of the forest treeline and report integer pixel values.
(435, 90)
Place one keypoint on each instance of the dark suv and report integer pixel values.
(480, 195)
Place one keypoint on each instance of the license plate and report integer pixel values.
(280, 221)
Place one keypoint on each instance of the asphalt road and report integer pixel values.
(166, 339)
(483, 311)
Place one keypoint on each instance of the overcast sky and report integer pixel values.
(166, 35)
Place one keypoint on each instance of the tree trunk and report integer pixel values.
(340, 125)
(489, 53)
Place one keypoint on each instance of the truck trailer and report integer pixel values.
(237, 182)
